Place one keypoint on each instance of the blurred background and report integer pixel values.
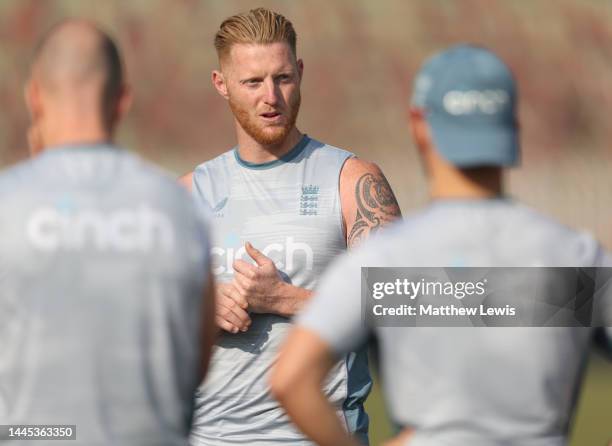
(360, 58)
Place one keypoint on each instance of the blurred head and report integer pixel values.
(76, 90)
(463, 113)
(259, 74)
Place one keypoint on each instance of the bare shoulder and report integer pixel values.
(186, 181)
(368, 202)
(355, 167)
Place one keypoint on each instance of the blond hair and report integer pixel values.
(259, 25)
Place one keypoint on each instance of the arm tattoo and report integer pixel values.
(376, 206)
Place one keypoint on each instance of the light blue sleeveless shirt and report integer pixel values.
(290, 210)
(102, 273)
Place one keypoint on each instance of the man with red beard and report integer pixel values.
(284, 205)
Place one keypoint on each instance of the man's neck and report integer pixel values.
(61, 135)
(469, 184)
(254, 152)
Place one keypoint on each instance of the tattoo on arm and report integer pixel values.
(376, 206)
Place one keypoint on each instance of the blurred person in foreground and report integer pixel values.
(106, 317)
(284, 205)
(459, 386)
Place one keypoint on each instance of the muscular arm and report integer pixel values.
(368, 203)
(296, 382)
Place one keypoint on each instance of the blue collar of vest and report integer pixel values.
(291, 154)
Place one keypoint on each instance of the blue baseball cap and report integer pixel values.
(469, 98)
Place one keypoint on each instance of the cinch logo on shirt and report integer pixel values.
(223, 258)
(126, 230)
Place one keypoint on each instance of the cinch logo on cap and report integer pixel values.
(468, 96)
(488, 102)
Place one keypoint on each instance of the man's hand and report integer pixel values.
(260, 285)
(263, 288)
(230, 309)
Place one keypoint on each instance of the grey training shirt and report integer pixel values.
(476, 386)
(103, 263)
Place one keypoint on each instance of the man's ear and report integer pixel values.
(218, 80)
(419, 128)
(31, 95)
(117, 107)
(33, 100)
(300, 66)
(124, 103)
